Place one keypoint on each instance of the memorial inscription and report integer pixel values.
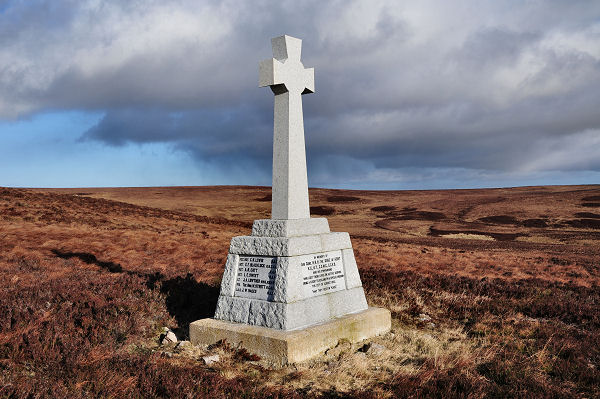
(322, 273)
(256, 277)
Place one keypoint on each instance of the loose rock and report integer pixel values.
(376, 349)
(423, 318)
(183, 345)
(211, 359)
(342, 347)
(167, 337)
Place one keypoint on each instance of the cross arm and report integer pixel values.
(268, 73)
(272, 72)
(309, 81)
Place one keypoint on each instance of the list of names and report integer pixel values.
(256, 277)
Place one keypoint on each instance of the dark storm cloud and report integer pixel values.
(484, 85)
(206, 132)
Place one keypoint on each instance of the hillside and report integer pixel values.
(492, 292)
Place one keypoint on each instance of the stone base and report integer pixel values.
(283, 347)
(288, 300)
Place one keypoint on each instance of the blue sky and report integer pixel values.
(428, 94)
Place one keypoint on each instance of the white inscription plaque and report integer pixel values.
(256, 277)
(322, 273)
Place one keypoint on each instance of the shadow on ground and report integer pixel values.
(186, 299)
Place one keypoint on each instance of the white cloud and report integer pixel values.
(580, 151)
(432, 84)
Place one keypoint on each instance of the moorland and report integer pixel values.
(493, 293)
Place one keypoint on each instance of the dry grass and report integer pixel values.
(467, 236)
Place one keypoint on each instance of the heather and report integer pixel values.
(87, 284)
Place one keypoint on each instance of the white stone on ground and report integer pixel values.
(423, 318)
(211, 359)
(376, 349)
(168, 336)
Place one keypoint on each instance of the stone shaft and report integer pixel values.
(290, 183)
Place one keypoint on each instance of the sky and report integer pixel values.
(408, 95)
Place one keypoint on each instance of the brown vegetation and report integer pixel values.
(89, 278)
(383, 208)
(322, 210)
(342, 198)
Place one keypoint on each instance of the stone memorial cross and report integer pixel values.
(291, 289)
(288, 79)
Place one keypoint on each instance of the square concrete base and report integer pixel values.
(283, 347)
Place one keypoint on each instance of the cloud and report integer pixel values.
(208, 133)
(490, 86)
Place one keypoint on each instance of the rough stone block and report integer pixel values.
(282, 281)
(294, 280)
(335, 241)
(229, 275)
(268, 314)
(233, 309)
(289, 228)
(294, 315)
(351, 269)
(321, 308)
(289, 246)
(275, 246)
